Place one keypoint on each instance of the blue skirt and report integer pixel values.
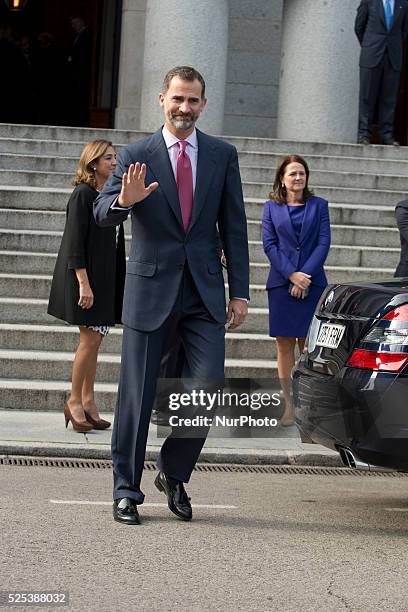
(289, 316)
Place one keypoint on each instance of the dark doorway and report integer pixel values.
(59, 62)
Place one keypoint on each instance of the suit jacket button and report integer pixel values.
(298, 248)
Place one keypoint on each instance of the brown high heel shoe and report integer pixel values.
(80, 426)
(97, 423)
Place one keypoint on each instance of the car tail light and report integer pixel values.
(372, 360)
(385, 346)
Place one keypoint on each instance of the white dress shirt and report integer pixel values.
(392, 3)
(173, 151)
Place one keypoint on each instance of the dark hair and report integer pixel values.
(278, 193)
(184, 72)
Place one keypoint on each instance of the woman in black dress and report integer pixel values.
(87, 286)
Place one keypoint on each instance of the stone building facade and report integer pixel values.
(274, 68)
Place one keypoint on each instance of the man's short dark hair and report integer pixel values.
(184, 72)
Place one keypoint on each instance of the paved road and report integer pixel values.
(278, 542)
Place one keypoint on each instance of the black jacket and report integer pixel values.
(374, 38)
(85, 245)
(401, 214)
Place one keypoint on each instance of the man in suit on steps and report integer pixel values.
(381, 27)
(178, 185)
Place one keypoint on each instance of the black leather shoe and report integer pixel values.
(125, 511)
(363, 140)
(391, 141)
(178, 501)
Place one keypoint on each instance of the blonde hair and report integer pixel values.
(90, 154)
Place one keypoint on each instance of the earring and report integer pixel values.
(283, 185)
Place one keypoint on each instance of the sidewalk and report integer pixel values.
(44, 433)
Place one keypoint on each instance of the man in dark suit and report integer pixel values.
(381, 27)
(79, 73)
(178, 185)
(401, 215)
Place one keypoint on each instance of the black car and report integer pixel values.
(351, 383)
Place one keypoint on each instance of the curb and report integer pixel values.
(216, 456)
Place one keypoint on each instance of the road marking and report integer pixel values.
(397, 509)
(86, 502)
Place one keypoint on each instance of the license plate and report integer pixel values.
(330, 335)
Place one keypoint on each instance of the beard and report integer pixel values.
(181, 122)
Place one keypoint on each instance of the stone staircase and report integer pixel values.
(363, 184)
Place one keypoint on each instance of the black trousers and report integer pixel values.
(378, 85)
(401, 215)
(204, 345)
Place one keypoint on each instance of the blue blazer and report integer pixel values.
(160, 246)
(286, 253)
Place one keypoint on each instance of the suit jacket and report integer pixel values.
(85, 245)
(288, 254)
(374, 38)
(160, 246)
(401, 214)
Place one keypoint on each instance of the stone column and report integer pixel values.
(319, 84)
(127, 115)
(185, 33)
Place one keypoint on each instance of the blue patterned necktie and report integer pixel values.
(388, 13)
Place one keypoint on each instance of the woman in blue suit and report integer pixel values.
(296, 239)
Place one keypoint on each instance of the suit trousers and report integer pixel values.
(203, 340)
(401, 215)
(378, 85)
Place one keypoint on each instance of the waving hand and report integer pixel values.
(133, 185)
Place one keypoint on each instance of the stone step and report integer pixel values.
(51, 395)
(25, 220)
(15, 259)
(34, 198)
(328, 162)
(13, 238)
(340, 213)
(61, 182)
(41, 147)
(329, 178)
(345, 215)
(83, 135)
(365, 236)
(249, 174)
(47, 337)
(24, 262)
(48, 241)
(254, 159)
(344, 255)
(335, 274)
(34, 311)
(62, 133)
(42, 395)
(33, 178)
(53, 365)
(348, 195)
(38, 286)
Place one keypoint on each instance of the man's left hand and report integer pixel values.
(236, 313)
